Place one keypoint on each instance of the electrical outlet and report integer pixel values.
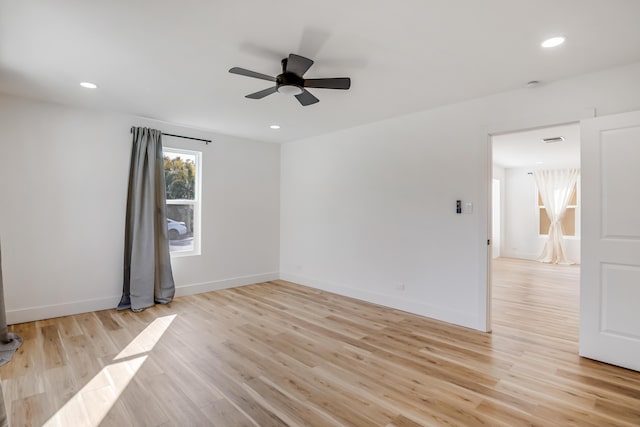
(400, 286)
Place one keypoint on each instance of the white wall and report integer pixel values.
(63, 193)
(371, 208)
(521, 238)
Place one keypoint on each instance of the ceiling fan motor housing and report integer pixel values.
(289, 84)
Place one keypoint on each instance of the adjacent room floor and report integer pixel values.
(283, 354)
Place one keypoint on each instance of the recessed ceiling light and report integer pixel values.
(553, 42)
(89, 85)
(539, 163)
(275, 126)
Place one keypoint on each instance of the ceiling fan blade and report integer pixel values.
(305, 98)
(297, 64)
(335, 83)
(249, 73)
(261, 94)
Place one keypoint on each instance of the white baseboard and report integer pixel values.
(58, 310)
(409, 305)
(520, 255)
(198, 288)
(66, 309)
(388, 300)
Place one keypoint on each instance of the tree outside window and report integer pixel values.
(181, 171)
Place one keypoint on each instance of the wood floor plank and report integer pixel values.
(292, 411)
(180, 409)
(142, 405)
(118, 416)
(33, 410)
(278, 353)
(55, 356)
(222, 413)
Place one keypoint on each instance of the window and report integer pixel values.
(569, 222)
(182, 171)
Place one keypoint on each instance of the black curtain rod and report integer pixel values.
(206, 141)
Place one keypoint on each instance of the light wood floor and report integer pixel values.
(283, 354)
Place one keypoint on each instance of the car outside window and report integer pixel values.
(183, 188)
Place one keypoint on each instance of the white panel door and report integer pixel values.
(610, 269)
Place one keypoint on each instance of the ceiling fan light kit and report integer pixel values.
(290, 90)
(291, 81)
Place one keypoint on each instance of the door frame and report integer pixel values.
(489, 180)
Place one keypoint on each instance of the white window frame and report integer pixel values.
(196, 203)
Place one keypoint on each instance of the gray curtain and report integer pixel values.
(4, 419)
(9, 342)
(148, 278)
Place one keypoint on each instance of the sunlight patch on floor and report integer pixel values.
(92, 403)
(147, 339)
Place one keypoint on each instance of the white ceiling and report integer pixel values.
(169, 60)
(527, 150)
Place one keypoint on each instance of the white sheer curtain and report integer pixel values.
(556, 189)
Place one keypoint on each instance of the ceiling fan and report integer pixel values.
(291, 82)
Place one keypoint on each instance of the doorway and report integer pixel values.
(519, 222)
